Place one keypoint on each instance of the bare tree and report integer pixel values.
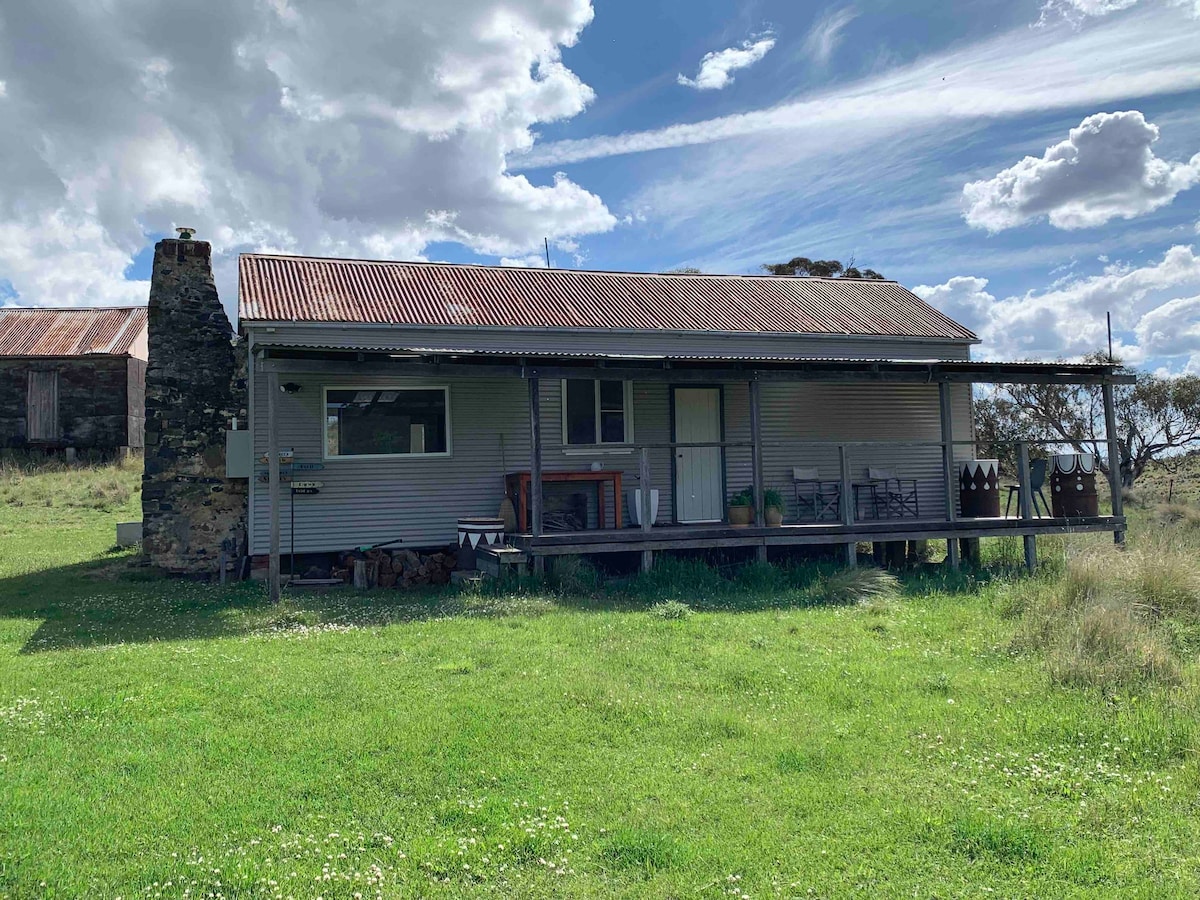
(1155, 419)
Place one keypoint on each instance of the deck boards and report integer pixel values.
(682, 537)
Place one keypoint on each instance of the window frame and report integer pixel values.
(627, 410)
(326, 456)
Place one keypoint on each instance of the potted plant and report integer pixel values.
(741, 508)
(773, 501)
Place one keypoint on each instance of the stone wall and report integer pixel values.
(92, 411)
(195, 383)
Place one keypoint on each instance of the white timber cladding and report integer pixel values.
(419, 499)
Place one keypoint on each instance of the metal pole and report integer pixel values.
(1024, 498)
(1114, 458)
(848, 505)
(535, 468)
(273, 491)
(944, 404)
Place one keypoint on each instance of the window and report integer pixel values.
(387, 421)
(597, 412)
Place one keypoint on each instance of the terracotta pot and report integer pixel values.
(774, 516)
(740, 516)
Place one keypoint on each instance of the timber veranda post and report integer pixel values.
(1114, 458)
(848, 504)
(944, 404)
(756, 463)
(273, 482)
(535, 470)
(644, 512)
(1025, 502)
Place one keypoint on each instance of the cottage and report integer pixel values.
(411, 394)
(72, 378)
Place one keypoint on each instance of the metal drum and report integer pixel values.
(979, 488)
(474, 532)
(1073, 485)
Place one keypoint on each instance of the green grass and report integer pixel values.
(775, 733)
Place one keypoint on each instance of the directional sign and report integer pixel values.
(265, 478)
(308, 484)
(308, 467)
(306, 490)
(284, 455)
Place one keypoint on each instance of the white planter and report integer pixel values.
(635, 506)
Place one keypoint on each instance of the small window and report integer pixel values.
(597, 412)
(387, 421)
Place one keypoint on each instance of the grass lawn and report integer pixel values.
(163, 738)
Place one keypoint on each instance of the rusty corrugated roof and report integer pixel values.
(80, 331)
(309, 289)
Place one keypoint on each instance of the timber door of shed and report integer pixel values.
(41, 410)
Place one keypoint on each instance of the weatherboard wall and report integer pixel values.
(366, 501)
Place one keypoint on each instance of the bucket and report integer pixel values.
(635, 506)
(475, 532)
(1073, 485)
(979, 488)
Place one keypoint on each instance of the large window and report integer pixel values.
(597, 412)
(387, 421)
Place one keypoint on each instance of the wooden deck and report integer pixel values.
(691, 537)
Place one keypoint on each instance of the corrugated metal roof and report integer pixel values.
(308, 289)
(26, 331)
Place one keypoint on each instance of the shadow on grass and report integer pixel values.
(109, 603)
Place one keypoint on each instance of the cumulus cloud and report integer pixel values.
(716, 67)
(825, 36)
(1172, 329)
(1105, 169)
(963, 298)
(1068, 319)
(277, 125)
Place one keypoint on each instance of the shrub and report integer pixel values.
(671, 609)
(744, 497)
(857, 585)
(1177, 515)
(1165, 580)
(772, 497)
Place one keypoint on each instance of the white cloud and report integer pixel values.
(826, 34)
(1141, 54)
(715, 67)
(1172, 329)
(1069, 319)
(963, 298)
(1076, 11)
(277, 125)
(1105, 169)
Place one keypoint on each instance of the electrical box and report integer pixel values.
(239, 458)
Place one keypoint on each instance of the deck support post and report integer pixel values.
(273, 485)
(756, 451)
(535, 470)
(1025, 497)
(848, 504)
(944, 405)
(1114, 458)
(645, 512)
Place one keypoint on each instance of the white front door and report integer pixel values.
(699, 496)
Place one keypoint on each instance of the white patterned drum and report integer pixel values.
(475, 532)
(979, 488)
(1073, 485)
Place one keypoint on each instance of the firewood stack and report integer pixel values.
(399, 568)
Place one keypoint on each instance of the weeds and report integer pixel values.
(858, 585)
(671, 609)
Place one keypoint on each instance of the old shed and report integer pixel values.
(72, 377)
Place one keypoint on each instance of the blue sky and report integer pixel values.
(912, 137)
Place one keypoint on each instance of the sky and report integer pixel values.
(1027, 167)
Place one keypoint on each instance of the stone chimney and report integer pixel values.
(195, 384)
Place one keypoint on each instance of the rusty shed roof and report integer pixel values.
(308, 289)
(79, 331)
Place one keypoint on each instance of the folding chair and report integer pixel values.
(816, 500)
(896, 497)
